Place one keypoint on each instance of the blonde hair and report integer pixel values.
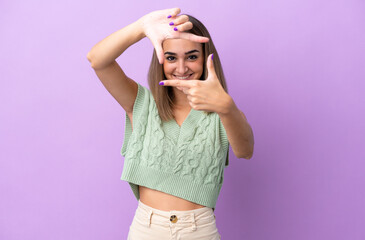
(164, 96)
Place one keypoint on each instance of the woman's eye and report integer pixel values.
(170, 58)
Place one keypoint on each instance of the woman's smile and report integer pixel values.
(184, 77)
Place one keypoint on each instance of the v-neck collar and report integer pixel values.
(187, 117)
(175, 132)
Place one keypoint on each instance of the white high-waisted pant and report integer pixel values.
(150, 224)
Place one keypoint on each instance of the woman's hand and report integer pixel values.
(163, 24)
(207, 95)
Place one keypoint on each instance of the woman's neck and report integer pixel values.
(181, 101)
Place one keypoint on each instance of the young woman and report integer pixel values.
(177, 132)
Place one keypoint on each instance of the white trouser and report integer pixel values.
(150, 223)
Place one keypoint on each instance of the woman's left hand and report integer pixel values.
(207, 95)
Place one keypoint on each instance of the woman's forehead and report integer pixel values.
(180, 45)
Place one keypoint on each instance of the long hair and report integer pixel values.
(164, 96)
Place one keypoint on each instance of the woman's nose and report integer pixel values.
(182, 68)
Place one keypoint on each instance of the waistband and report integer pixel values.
(174, 217)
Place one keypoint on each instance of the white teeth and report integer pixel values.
(182, 78)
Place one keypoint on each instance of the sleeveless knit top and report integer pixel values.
(186, 161)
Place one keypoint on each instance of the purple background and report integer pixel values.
(295, 68)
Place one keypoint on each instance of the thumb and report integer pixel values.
(210, 66)
(159, 52)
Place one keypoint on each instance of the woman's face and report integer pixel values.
(183, 59)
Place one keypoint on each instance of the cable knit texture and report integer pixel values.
(186, 161)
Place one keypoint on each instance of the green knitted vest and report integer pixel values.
(187, 161)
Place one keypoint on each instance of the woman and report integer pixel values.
(175, 144)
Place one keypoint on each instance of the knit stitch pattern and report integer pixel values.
(186, 161)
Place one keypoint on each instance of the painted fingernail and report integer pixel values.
(175, 28)
(168, 16)
(212, 56)
(171, 23)
(161, 83)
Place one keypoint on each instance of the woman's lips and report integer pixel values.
(185, 77)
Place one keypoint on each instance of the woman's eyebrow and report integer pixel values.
(192, 51)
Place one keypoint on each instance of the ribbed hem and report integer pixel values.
(205, 195)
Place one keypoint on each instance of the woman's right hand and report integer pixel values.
(156, 26)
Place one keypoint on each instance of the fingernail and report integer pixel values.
(171, 23)
(161, 83)
(175, 28)
(168, 16)
(212, 56)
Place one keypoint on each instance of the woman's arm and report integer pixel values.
(239, 131)
(107, 50)
(102, 58)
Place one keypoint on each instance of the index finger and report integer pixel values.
(177, 83)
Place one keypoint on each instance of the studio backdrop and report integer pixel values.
(295, 68)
